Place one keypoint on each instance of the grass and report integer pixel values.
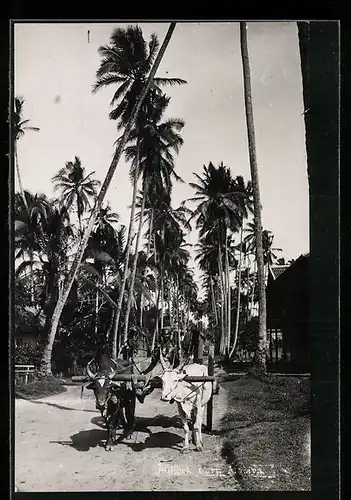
(39, 388)
(265, 433)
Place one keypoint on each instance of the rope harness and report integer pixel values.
(194, 390)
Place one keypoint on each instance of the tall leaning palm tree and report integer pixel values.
(126, 63)
(45, 367)
(77, 188)
(262, 340)
(20, 127)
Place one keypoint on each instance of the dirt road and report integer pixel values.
(59, 447)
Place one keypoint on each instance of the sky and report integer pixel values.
(55, 67)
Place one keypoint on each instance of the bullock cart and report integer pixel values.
(156, 383)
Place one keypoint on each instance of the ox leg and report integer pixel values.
(130, 415)
(111, 430)
(185, 425)
(197, 428)
(121, 420)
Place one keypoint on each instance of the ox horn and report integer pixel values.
(113, 370)
(91, 375)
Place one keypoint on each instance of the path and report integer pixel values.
(58, 448)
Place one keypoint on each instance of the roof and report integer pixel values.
(278, 270)
(288, 293)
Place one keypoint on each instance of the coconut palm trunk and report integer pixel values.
(247, 268)
(142, 300)
(135, 263)
(155, 334)
(188, 316)
(79, 217)
(110, 326)
(162, 303)
(214, 308)
(229, 327)
(222, 291)
(19, 176)
(239, 295)
(31, 258)
(260, 355)
(170, 306)
(96, 312)
(116, 338)
(178, 320)
(45, 365)
(253, 285)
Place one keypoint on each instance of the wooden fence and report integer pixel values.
(24, 372)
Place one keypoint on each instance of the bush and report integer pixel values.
(28, 354)
(40, 388)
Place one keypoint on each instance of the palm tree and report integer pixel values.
(30, 210)
(262, 342)
(106, 217)
(77, 188)
(212, 262)
(158, 211)
(105, 249)
(247, 191)
(153, 149)
(222, 204)
(127, 62)
(169, 248)
(48, 235)
(46, 358)
(207, 258)
(20, 127)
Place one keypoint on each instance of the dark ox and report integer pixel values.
(115, 400)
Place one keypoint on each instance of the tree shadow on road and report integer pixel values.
(60, 407)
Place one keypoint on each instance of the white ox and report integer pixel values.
(191, 398)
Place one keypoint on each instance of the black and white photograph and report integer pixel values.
(161, 214)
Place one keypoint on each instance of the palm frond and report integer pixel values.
(170, 81)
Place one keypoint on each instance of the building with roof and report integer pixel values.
(287, 315)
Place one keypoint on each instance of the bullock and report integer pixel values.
(112, 398)
(191, 398)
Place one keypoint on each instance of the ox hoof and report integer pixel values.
(109, 447)
(198, 447)
(129, 436)
(184, 450)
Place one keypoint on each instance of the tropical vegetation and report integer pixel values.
(83, 279)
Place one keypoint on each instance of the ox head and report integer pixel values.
(101, 384)
(170, 380)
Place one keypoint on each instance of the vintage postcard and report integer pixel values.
(161, 214)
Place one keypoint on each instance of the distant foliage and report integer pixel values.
(28, 354)
(249, 335)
